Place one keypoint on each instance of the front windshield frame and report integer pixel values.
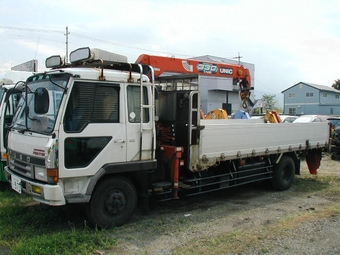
(2, 93)
(26, 119)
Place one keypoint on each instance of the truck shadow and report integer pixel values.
(234, 199)
(73, 216)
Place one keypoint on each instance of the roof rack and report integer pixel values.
(86, 57)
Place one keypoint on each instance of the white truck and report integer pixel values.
(103, 132)
(11, 88)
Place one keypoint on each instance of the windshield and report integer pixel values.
(26, 117)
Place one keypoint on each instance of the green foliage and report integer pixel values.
(30, 228)
(336, 84)
(270, 101)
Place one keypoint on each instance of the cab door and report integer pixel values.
(94, 133)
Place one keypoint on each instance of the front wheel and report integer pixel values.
(283, 174)
(112, 202)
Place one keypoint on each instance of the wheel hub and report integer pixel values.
(115, 202)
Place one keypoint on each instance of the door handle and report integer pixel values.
(119, 141)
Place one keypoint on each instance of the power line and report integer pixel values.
(89, 38)
(33, 37)
(124, 45)
(32, 29)
(79, 35)
(238, 58)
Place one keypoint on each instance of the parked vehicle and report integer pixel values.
(107, 133)
(335, 137)
(288, 118)
(278, 119)
(310, 118)
(11, 88)
(335, 121)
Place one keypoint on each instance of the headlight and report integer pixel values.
(40, 173)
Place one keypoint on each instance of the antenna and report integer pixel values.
(36, 51)
(66, 34)
(239, 58)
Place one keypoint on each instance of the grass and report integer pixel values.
(326, 185)
(39, 230)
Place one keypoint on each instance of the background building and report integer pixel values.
(219, 92)
(308, 98)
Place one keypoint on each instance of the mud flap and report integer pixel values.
(313, 160)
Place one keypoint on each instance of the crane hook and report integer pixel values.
(244, 104)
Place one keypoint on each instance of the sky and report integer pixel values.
(288, 41)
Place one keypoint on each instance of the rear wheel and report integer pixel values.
(112, 203)
(283, 174)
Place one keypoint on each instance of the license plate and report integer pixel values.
(16, 184)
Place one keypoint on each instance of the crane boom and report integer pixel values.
(192, 66)
(239, 74)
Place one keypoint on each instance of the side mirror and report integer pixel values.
(41, 101)
(20, 86)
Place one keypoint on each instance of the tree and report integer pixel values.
(270, 101)
(336, 84)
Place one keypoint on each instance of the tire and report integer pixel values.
(283, 174)
(112, 202)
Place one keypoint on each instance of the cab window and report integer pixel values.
(134, 104)
(91, 103)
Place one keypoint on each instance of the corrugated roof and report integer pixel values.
(322, 87)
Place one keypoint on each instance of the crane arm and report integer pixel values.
(239, 74)
(191, 66)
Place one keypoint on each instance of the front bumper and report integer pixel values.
(43, 193)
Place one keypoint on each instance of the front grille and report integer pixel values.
(23, 164)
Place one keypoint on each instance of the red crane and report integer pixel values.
(238, 73)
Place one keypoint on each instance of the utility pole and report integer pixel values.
(66, 34)
(239, 58)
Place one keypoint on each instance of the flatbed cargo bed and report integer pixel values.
(230, 139)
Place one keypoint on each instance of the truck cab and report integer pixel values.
(76, 125)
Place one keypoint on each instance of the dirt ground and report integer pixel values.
(257, 219)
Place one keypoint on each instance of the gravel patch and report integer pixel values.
(251, 211)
